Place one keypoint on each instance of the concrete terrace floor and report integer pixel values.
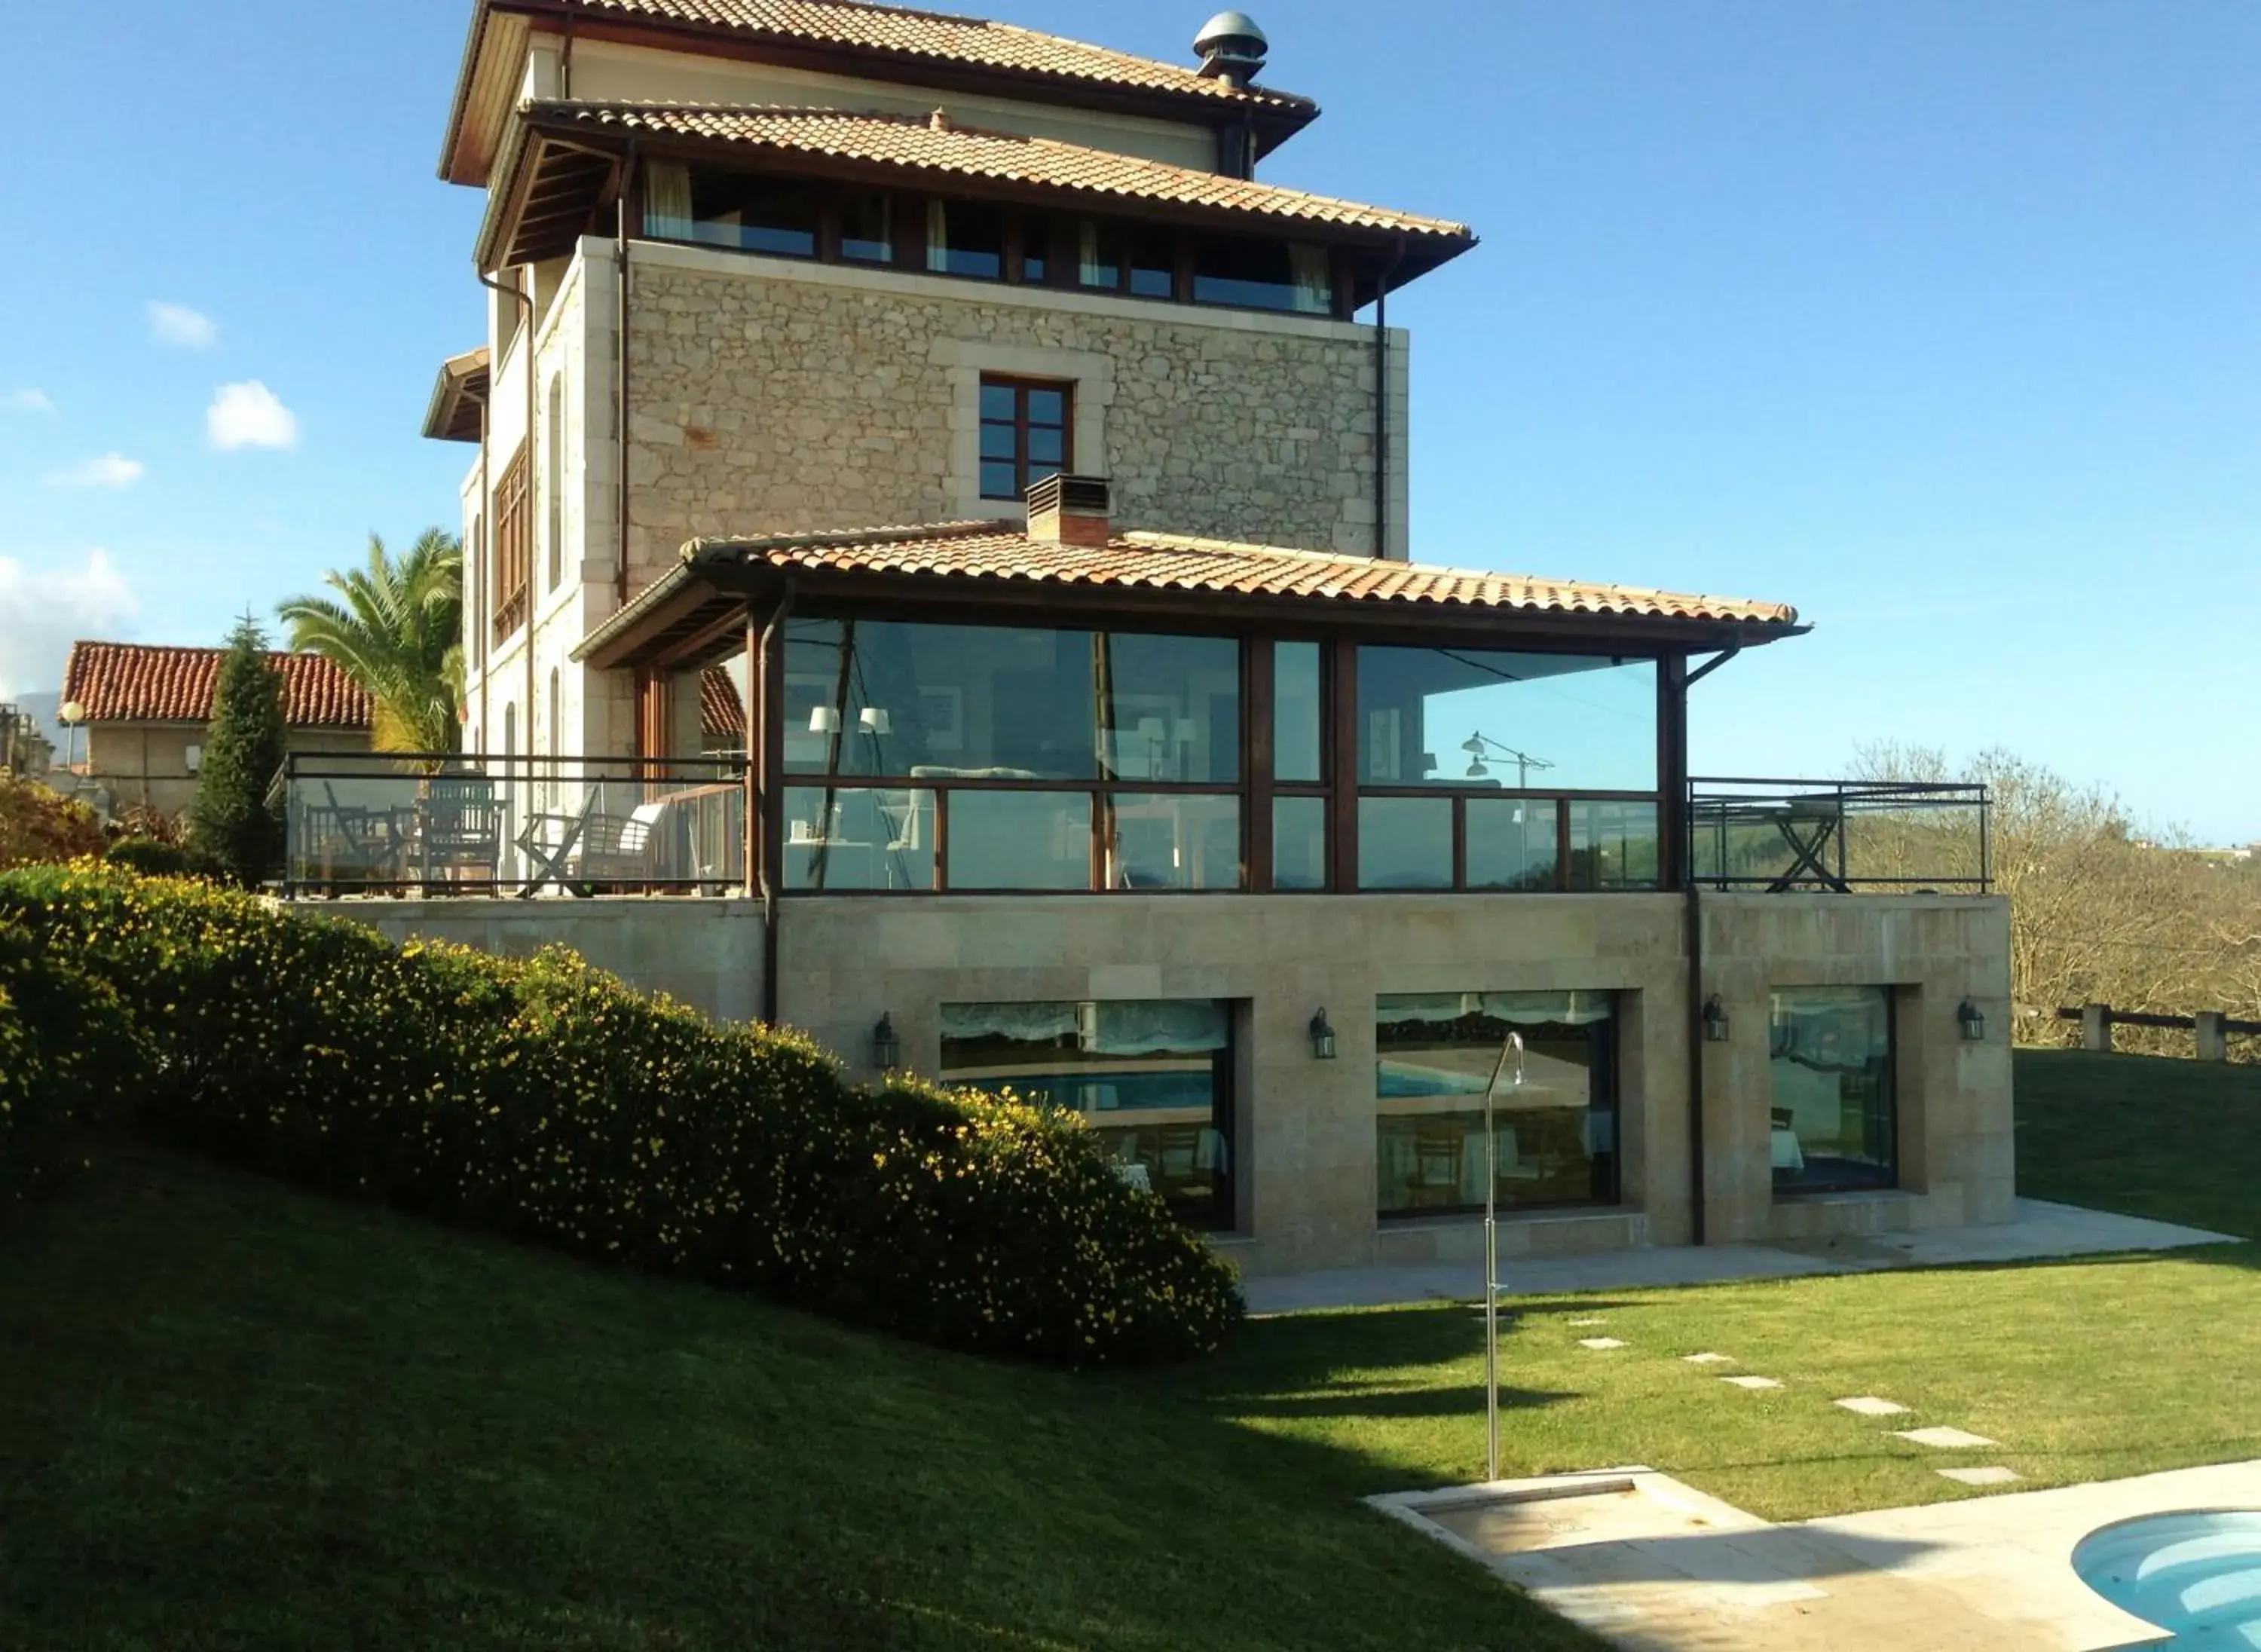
(2042, 1232)
(1652, 1565)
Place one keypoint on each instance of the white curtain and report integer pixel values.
(1092, 274)
(937, 237)
(1151, 1027)
(1517, 1010)
(1314, 279)
(667, 201)
(1030, 1023)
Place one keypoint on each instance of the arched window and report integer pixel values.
(554, 477)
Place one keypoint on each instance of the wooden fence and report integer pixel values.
(2213, 1028)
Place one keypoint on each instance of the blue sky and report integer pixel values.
(1941, 320)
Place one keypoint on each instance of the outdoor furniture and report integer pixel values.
(1440, 1151)
(349, 843)
(548, 840)
(622, 848)
(1786, 1153)
(459, 829)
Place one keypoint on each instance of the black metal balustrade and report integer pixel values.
(1838, 836)
(461, 823)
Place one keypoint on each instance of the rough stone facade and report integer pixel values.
(770, 398)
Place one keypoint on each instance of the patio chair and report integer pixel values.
(548, 841)
(1438, 1152)
(622, 849)
(461, 824)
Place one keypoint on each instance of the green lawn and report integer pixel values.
(235, 1416)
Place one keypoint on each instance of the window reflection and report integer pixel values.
(837, 839)
(1555, 1131)
(1834, 1122)
(1404, 843)
(966, 238)
(1492, 721)
(1296, 712)
(1513, 843)
(1299, 842)
(1173, 841)
(1154, 1078)
(1255, 274)
(1613, 845)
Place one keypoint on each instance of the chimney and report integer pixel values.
(1232, 48)
(1070, 510)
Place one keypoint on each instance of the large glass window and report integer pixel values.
(1613, 845)
(1487, 720)
(1514, 843)
(1262, 275)
(1154, 1079)
(1153, 262)
(1555, 1114)
(1027, 433)
(1834, 1122)
(868, 227)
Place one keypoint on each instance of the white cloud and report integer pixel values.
(30, 401)
(111, 470)
(177, 325)
(42, 612)
(249, 415)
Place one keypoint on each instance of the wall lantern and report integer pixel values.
(887, 1048)
(1968, 1017)
(1322, 1039)
(1715, 1020)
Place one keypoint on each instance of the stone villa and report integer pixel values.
(947, 419)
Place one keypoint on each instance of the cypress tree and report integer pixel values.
(233, 820)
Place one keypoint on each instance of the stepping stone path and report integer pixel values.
(1599, 1342)
(1980, 1476)
(1707, 1359)
(1752, 1382)
(1945, 1439)
(1869, 1405)
(1581, 1323)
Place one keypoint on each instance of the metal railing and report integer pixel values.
(468, 823)
(1838, 836)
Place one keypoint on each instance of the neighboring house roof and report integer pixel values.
(458, 397)
(720, 710)
(557, 181)
(888, 42)
(994, 557)
(134, 682)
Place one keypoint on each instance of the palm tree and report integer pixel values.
(398, 633)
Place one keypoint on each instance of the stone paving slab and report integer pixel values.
(1945, 1438)
(1674, 1571)
(2042, 1231)
(1869, 1405)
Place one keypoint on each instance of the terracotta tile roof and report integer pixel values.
(133, 682)
(720, 712)
(939, 37)
(999, 550)
(925, 145)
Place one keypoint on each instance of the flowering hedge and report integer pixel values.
(69, 1058)
(545, 1100)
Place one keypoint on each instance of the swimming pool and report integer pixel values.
(2197, 1573)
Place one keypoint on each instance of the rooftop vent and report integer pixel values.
(1071, 510)
(1232, 48)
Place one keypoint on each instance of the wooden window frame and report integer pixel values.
(513, 515)
(1021, 387)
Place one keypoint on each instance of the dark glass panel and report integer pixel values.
(966, 238)
(868, 227)
(1047, 407)
(1834, 1122)
(1047, 451)
(1554, 1113)
(1172, 708)
(1020, 840)
(1102, 255)
(1000, 401)
(998, 481)
(1296, 712)
(1262, 275)
(1513, 843)
(999, 441)
(1174, 842)
(1153, 264)
(869, 839)
(1613, 845)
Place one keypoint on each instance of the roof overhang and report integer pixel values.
(459, 396)
(697, 613)
(561, 168)
(494, 56)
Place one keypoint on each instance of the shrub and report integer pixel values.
(154, 859)
(543, 1100)
(236, 819)
(39, 824)
(68, 1059)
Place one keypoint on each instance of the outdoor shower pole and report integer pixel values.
(1513, 1046)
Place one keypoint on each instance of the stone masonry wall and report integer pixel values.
(770, 399)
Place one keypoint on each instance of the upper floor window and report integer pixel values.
(966, 238)
(553, 479)
(1252, 274)
(751, 212)
(868, 227)
(1026, 429)
(1482, 720)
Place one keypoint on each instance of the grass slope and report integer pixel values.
(236, 1415)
